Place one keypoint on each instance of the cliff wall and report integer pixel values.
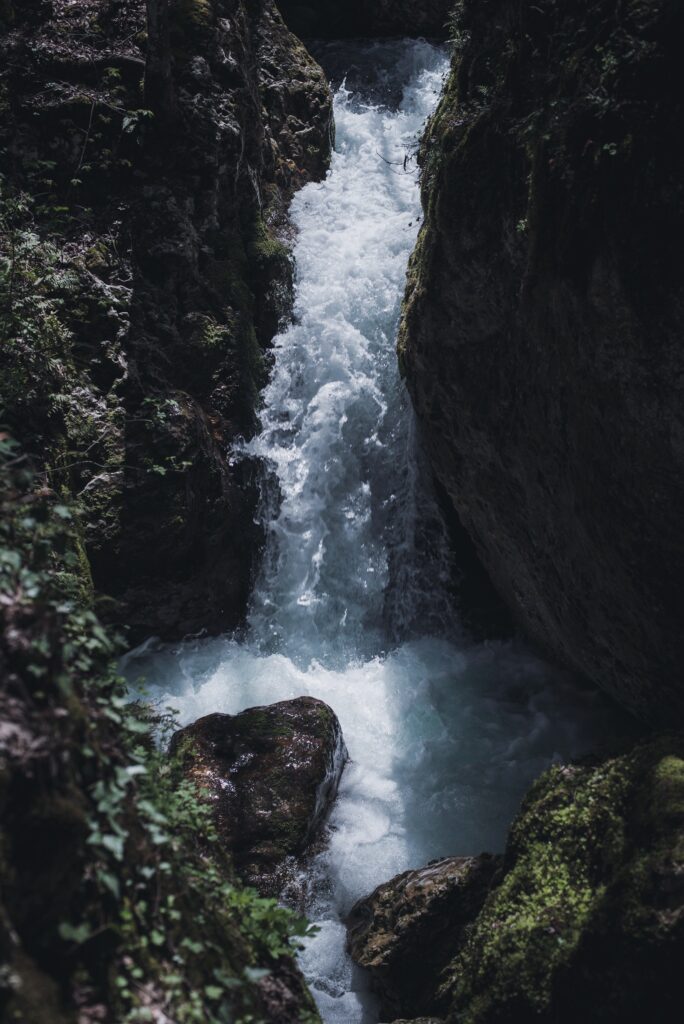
(543, 322)
(150, 154)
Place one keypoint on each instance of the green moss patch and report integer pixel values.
(589, 861)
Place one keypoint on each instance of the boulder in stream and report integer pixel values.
(405, 932)
(271, 773)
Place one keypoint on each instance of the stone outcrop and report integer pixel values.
(271, 774)
(420, 1020)
(339, 18)
(405, 932)
(584, 919)
(542, 331)
(164, 154)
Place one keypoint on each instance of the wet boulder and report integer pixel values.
(405, 932)
(271, 774)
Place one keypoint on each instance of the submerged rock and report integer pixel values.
(272, 774)
(404, 933)
(584, 920)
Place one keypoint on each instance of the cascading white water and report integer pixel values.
(350, 607)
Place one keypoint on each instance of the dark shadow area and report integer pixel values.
(333, 19)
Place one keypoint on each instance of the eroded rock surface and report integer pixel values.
(405, 932)
(271, 773)
(543, 324)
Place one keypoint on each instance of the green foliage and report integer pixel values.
(183, 936)
(33, 281)
(264, 247)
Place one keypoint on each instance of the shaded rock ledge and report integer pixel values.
(272, 773)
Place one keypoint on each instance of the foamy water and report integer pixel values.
(350, 606)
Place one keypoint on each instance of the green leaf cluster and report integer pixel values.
(155, 919)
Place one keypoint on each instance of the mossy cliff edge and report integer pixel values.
(542, 328)
(147, 156)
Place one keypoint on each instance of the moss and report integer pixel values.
(193, 14)
(264, 248)
(580, 866)
(570, 826)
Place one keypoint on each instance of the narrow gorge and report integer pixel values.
(332, 689)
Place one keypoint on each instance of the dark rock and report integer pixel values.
(583, 920)
(543, 322)
(588, 921)
(170, 203)
(405, 932)
(420, 1020)
(339, 18)
(283, 995)
(271, 774)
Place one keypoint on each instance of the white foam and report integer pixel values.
(444, 737)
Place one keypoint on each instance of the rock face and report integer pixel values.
(337, 18)
(271, 774)
(584, 919)
(162, 151)
(405, 932)
(543, 320)
(420, 1020)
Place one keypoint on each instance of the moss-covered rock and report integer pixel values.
(588, 922)
(542, 329)
(584, 919)
(270, 774)
(405, 932)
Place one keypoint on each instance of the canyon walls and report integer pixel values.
(153, 152)
(542, 330)
(147, 156)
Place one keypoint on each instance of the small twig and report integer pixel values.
(87, 138)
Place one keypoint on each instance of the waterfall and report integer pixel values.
(351, 605)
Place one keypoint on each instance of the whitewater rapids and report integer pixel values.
(351, 604)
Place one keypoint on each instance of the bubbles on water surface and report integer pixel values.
(350, 607)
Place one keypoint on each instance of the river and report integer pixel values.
(352, 604)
